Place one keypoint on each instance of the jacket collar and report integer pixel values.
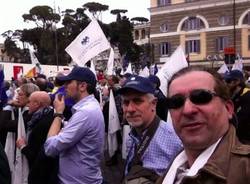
(218, 163)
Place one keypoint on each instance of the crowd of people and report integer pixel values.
(66, 122)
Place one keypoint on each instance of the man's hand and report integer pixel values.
(20, 143)
(59, 104)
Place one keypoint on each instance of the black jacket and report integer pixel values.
(5, 176)
(42, 167)
(242, 108)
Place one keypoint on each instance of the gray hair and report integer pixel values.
(29, 88)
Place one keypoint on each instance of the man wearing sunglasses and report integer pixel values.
(201, 110)
(152, 142)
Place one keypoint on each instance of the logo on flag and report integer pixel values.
(85, 40)
(88, 44)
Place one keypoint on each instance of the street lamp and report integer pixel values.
(56, 47)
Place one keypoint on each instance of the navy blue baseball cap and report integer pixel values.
(137, 83)
(234, 75)
(80, 74)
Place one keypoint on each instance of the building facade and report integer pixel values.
(141, 33)
(205, 28)
(3, 56)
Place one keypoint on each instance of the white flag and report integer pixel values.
(223, 69)
(88, 44)
(10, 144)
(114, 125)
(21, 163)
(110, 66)
(125, 136)
(92, 67)
(238, 65)
(35, 61)
(129, 69)
(144, 72)
(176, 62)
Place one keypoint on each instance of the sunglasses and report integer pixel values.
(197, 97)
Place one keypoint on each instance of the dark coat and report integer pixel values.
(42, 167)
(9, 125)
(229, 164)
(5, 176)
(242, 113)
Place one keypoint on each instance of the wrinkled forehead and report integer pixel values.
(190, 81)
(130, 93)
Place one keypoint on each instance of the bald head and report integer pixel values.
(38, 100)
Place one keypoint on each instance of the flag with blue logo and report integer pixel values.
(88, 44)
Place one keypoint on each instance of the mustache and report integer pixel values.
(191, 121)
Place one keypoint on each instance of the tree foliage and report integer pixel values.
(118, 12)
(95, 8)
(140, 19)
(42, 16)
(45, 37)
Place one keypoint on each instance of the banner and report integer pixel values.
(88, 44)
(35, 61)
(114, 125)
(21, 163)
(176, 62)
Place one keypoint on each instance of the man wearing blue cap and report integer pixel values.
(241, 98)
(152, 143)
(79, 143)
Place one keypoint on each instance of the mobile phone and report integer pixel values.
(59, 95)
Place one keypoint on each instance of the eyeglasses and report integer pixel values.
(197, 97)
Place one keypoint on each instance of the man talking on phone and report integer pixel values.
(78, 142)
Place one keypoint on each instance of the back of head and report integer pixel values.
(155, 80)
(41, 83)
(42, 97)
(234, 75)
(29, 88)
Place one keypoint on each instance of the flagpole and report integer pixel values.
(56, 47)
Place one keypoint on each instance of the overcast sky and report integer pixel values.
(11, 11)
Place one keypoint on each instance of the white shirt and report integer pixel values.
(181, 159)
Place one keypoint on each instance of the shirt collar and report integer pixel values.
(80, 103)
(182, 158)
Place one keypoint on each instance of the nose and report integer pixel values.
(189, 107)
(130, 107)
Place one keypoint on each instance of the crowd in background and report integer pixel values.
(39, 101)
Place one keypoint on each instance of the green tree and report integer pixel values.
(118, 12)
(10, 47)
(95, 8)
(42, 16)
(140, 19)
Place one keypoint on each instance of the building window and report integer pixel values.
(192, 46)
(165, 48)
(192, 23)
(164, 2)
(164, 28)
(223, 20)
(246, 19)
(143, 34)
(221, 43)
(136, 35)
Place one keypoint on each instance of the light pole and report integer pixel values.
(56, 47)
(234, 22)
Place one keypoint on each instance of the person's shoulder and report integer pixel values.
(166, 126)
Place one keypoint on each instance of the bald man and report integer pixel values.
(37, 130)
